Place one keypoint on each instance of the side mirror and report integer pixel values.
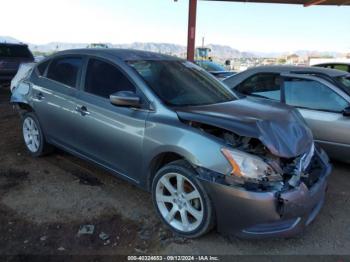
(228, 62)
(346, 111)
(125, 98)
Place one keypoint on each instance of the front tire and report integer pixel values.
(33, 135)
(181, 201)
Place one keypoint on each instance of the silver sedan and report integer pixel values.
(166, 125)
(321, 95)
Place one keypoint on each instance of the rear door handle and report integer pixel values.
(82, 110)
(40, 96)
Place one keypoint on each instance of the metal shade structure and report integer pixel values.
(192, 14)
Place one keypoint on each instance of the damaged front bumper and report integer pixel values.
(251, 214)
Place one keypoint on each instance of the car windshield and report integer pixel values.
(210, 66)
(14, 51)
(345, 83)
(181, 83)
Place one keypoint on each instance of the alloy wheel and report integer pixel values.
(31, 134)
(179, 202)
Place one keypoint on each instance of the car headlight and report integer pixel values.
(247, 167)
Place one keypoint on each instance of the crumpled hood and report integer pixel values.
(279, 127)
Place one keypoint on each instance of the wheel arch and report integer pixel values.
(207, 220)
(22, 108)
(162, 159)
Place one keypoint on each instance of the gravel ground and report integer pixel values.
(44, 202)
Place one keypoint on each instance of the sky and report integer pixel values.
(246, 27)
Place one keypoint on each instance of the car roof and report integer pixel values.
(332, 63)
(297, 69)
(238, 78)
(204, 61)
(13, 44)
(122, 54)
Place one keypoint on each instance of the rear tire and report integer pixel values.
(33, 136)
(181, 201)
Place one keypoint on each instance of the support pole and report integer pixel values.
(314, 2)
(191, 38)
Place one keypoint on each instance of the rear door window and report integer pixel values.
(311, 94)
(65, 70)
(104, 79)
(262, 85)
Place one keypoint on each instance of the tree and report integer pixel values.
(281, 60)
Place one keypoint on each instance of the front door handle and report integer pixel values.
(82, 110)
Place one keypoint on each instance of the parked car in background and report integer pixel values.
(215, 69)
(321, 95)
(339, 66)
(97, 45)
(168, 126)
(11, 56)
(38, 58)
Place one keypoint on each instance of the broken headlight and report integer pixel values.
(249, 168)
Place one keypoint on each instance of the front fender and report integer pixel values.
(173, 136)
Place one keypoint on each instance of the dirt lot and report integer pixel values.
(44, 202)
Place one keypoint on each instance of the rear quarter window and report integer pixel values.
(267, 85)
(41, 68)
(65, 70)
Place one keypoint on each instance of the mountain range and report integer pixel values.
(221, 52)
